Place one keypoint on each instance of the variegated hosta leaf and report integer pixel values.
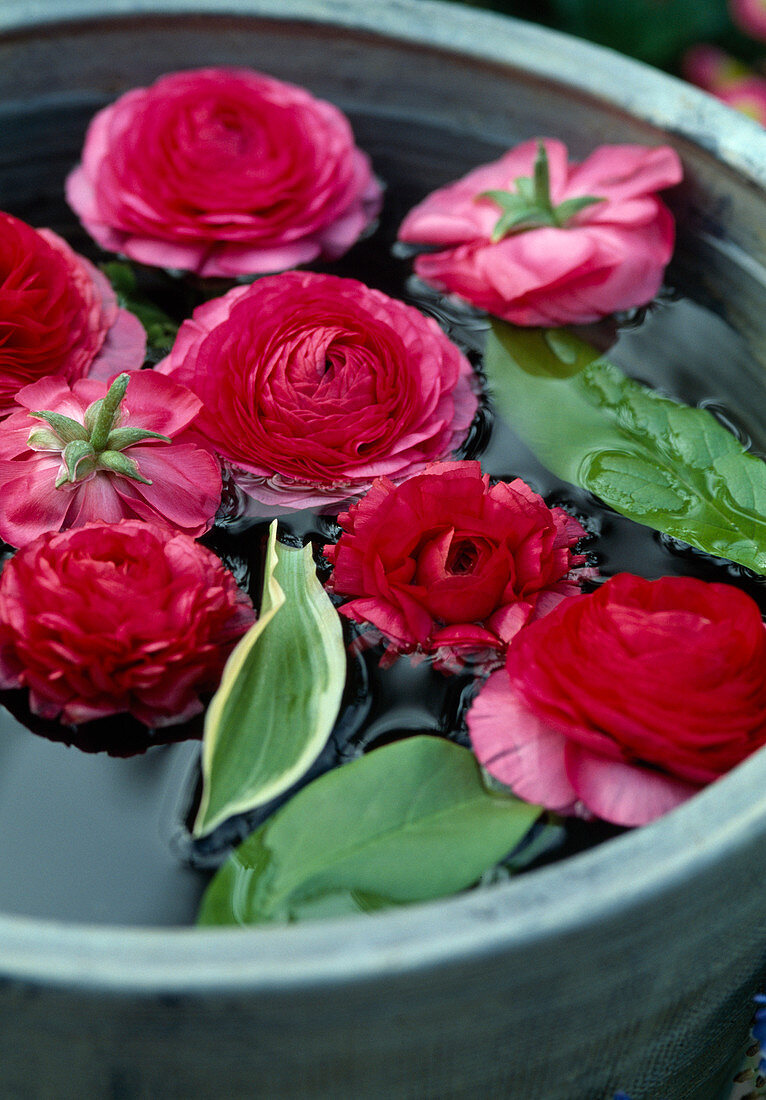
(279, 695)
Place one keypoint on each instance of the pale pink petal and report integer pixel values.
(123, 349)
(621, 172)
(158, 403)
(517, 748)
(51, 394)
(185, 490)
(30, 504)
(96, 501)
(620, 792)
(168, 254)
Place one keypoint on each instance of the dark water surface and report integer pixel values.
(87, 836)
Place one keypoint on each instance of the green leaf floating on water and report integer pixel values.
(663, 464)
(279, 695)
(408, 822)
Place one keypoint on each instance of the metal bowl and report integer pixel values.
(628, 967)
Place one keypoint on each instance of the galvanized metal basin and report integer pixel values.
(629, 967)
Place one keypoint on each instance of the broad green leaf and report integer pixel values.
(663, 464)
(407, 822)
(279, 695)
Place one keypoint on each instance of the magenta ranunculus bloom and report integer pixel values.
(118, 617)
(537, 240)
(449, 566)
(622, 704)
(223, 172)
(312, 386)
(727, 79)
(61, 465)
(58, 314)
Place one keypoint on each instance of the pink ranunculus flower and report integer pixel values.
(727, 79)
(58, 314)
(112, 618)
(223, 172)
(711, 68)
(537, 240)
(747, 95)
(447, 565)
(313, 385)
(622, 704)
(750, 16)
(64, 463)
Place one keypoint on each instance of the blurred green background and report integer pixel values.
(655, 31)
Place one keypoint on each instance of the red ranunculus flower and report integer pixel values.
(313, 385)
(61, 466)
(446, 565)
(223, 172)
(536, 240)
(624, 703)
(58, 314)
(112, 618)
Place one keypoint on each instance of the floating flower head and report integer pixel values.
(750, 16)
(446, 564)
(711, 68)
(73, 454)
(223, 172)
(728, 79)
(312, 386)
(58, 314)
(747, 95)
(537, 240)
(624, 703)
(112, 618)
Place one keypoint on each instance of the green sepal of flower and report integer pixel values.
(120, 438)
(78, 461)
(530, 206)
(118, 463)
(108, 411)
(65, 428)
(95, 445)
(44, 439)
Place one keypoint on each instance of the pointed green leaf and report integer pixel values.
(279, 695)
(408, 822)
(663, 464)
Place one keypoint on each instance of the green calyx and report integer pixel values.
(97, 444)
(530, 205)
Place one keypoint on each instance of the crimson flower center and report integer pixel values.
(463, 556)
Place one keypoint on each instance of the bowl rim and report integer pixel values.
(616, 878)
